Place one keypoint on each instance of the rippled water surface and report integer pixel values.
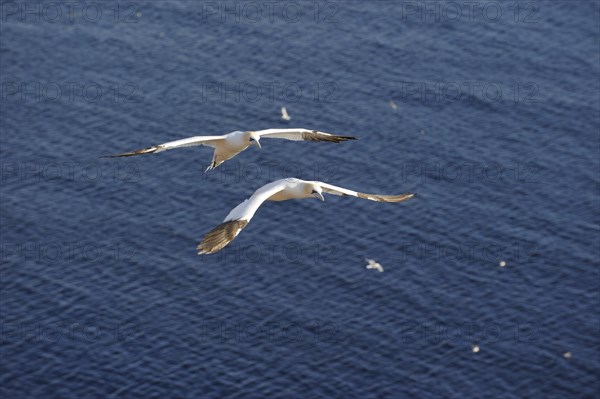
(490, 116)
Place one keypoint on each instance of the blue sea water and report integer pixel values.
(489, 112)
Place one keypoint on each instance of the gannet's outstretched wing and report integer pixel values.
(302, 135)
(238, 218)
(335, 190)
(210, 141)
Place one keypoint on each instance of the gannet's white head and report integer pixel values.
(254, 139)
(316, 191)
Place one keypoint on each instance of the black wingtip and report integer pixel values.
(117, 156)
(341, 139)
(148, 150)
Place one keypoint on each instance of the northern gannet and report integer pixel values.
(279, 190)
(229, 145)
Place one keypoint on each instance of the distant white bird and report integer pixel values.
(374, 265)
(284, 114)
(229, 145)
(279, 190)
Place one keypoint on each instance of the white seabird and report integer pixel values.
(374, 265)
(284, 114)
(279, 190)
(229, 145)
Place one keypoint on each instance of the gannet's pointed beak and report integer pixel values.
(257, 143)
(318, 195)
